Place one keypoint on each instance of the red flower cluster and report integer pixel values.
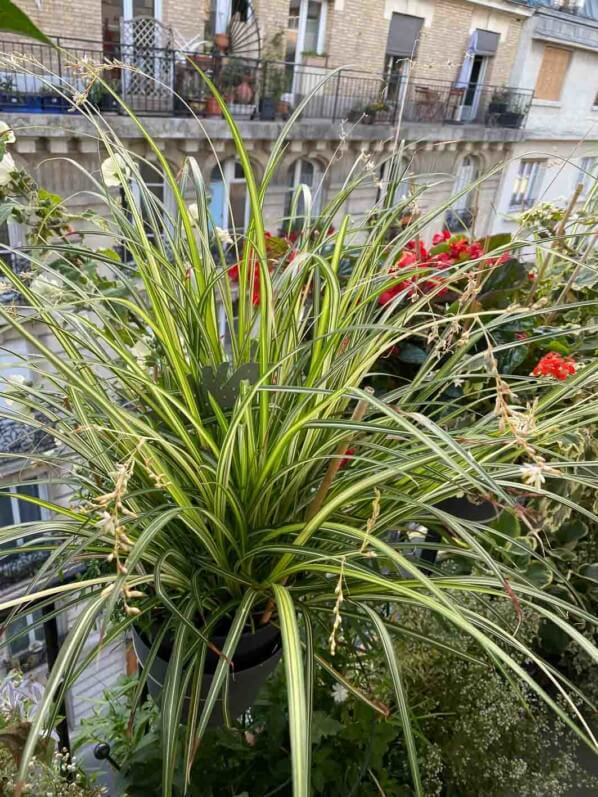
(441, 237)
(454, 250)
(346, 460)
(554, 364)
(233, 274)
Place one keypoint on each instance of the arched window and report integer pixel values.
(229, 201)
(303, 172)
(467, 172)
(461, 215)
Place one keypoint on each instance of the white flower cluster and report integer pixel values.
(7, 164)
(115, 171)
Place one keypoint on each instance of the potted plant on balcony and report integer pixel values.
(233, 487)
(235, 80)
(377, 111)
(311, 58)
(499, 101)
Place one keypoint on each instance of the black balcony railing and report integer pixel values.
(37, 78)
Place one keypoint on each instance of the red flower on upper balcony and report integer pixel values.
(555, 365)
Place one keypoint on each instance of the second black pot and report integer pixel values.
(255, 658)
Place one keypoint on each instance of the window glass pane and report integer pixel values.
(239, 174)
(312, 27)
(5, 241)
(306, 175)
(21, 644)
(6, 516)
(237, 205)
(587, 173)
(143, 8)
(29, 512)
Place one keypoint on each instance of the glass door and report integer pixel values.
(473, 89)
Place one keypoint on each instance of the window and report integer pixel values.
(306, 28)
(30, 638)
(586, 175)
(553, 71)
(467, 173)
(527, 184)
(461, 215)
(303, 172)
(11, 237)
(155, 185)
(394, 172)
(13, 511)
(229, 202)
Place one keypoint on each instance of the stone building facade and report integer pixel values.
(558, 58)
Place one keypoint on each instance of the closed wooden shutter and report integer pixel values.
(551, 76)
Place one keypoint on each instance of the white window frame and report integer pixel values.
(588, 171)
(302, 27)
(315, 188)
(532, 171)
(465, 175)
(167, 197)
(16, 234)
(32, 641)
(127, 6)
(227, 175)
(15, 505)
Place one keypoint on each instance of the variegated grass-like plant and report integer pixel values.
(202, 502)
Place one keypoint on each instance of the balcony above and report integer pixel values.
(165, 82)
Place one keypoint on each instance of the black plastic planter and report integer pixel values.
(465, 509)
(267, 108)
(255, 659)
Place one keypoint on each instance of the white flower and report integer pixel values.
(339, 693)
(115, 170)
(193, 212)
(141, 351)
(7, 133)
(48, 288)
(533, 475)
(223, 236)
(14, 382)
(7, 169)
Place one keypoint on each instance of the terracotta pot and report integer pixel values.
(222, 41)
(244, 92)
(212, 107)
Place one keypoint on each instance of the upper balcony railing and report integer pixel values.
(165, 82)
(580, 8)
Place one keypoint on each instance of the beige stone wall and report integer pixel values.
(77, 19)
(505, 56)
(272, 17)
(188, 18)
(357, 34)
(444, 42)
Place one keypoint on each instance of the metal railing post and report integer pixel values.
(337, 89)
(52, 641)
(59, 59)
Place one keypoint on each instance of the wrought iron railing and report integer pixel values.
(37, 78)
(580, 8)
